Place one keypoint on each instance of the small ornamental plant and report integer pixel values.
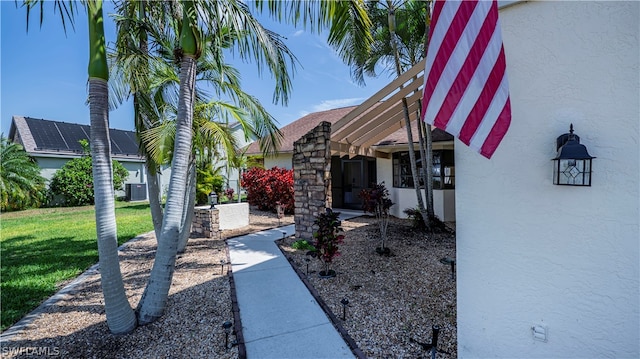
(326, 239)
(229, 194)
(376, 200)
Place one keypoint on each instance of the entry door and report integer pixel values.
(353, 180)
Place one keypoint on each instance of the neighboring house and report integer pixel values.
(53, 143)
(562, 259)
(232, 174)
(387, 161)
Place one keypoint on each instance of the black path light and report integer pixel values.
(345, 303)
(222, 263)
(227, 330)
(452, 263)
(213, 199)
(572, 164)
(433, 346)
(307, 260)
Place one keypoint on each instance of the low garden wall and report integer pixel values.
(233, 215)
(209, 222)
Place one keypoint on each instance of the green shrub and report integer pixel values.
(73, 183)
(206, 181)
(303, 244)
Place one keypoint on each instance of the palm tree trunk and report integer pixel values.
(424, 136)
(429, 167)
(155, 200)
(187, 214)
(154, 298)
(120, 317)
(405, 107)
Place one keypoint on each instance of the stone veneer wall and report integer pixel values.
(311, 178)
(206, 223)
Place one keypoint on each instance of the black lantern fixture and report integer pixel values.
(572, 165)
(213, 199)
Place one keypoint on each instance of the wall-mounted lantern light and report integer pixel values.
(213, 199)
(572, 165)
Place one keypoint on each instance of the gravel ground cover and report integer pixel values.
(393, 300)
(199, 302)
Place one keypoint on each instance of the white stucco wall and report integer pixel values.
(283, 160)
(531, 253)
(233, 215)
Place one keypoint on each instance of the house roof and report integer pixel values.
(46, 137)
(372, 128)
(293, 131)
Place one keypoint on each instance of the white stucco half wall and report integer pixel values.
(529, 253)
(233, 215)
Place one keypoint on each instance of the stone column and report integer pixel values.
(311, 178)
(206, 223)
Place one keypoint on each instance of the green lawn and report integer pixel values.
(42, 248)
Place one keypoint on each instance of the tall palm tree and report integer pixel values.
(398, 32)
(257, 43)
(21, 185)
(120, 316)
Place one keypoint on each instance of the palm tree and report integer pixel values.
(120, 316)
(258, 43)
(21, 185)
(398, 31)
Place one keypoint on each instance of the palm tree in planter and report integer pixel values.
(376, 200)
(326, 240)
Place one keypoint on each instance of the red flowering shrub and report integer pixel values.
(267, 187)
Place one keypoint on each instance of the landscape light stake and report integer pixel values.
(344, 303)
(452, 262)
(433, 346)
(221, 266)
(227, 330)
(307, 260)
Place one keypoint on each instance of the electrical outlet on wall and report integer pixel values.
(539, 332)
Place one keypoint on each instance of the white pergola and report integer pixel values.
(379, 116)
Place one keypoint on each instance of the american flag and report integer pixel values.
(466, 91)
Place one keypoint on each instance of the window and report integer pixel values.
(443, 170)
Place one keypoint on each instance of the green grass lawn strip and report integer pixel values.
(40, 249)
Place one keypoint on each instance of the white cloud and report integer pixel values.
(298, 33)
(331, 104)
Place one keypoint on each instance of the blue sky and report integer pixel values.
(44, 73)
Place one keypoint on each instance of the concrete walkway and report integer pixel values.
(280, 318)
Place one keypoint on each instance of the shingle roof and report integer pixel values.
(295, 130)
(46, 136)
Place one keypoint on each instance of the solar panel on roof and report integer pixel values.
(73, 134)
(123, 142)
(62, 136)
(46, 135)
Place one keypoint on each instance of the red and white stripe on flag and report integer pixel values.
(465, 91)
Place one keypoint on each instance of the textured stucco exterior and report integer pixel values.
(281, 160)
(532, 253)
(233, 215)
